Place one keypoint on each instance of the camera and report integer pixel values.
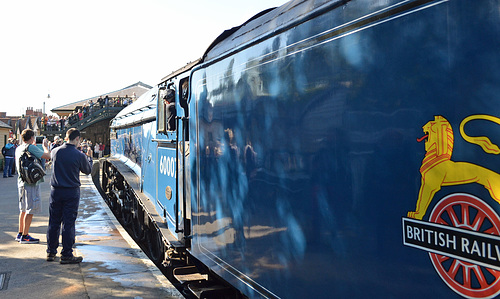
(39, 139)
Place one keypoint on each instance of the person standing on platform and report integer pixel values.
(57, 142)
(29, 194)
(67, 163)
(102, 147)
(9, 153)
(96, 150)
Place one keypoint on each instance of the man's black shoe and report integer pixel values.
(71, 259)
(51, 257)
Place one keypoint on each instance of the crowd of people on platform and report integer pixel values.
(96, 151)
(56, 123)
(8, 151)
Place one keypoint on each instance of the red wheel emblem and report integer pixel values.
(466, 212)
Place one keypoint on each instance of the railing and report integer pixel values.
(93, 118)
(97, 116)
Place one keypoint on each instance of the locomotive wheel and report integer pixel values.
(126, 217)
(467, 212)
(155, 245)
(104, 184)
(125, 213)
(137, 220)
(115, 205)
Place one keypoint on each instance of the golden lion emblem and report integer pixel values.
(438, 170)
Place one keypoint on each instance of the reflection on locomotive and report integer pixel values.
(289, 162)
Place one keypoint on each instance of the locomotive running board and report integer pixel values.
(200, 285)
(189, 274)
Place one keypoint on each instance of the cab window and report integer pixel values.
(166, 110)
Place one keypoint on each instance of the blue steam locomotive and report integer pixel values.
(324, 149)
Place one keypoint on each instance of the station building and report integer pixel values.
(97, 113)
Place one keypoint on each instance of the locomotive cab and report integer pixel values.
(172, 146)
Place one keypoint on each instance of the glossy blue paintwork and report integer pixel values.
(303, 145)
(152, 154)
(127, 147)
(135, 146)
(167, 172)
(149, 164)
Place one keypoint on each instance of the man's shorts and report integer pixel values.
(29, 199)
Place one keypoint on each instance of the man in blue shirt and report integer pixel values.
(29, 194)
(67, 163)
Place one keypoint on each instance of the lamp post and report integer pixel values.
(48, 97)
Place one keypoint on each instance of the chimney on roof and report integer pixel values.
(29, 111)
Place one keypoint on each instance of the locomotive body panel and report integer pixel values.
(334, 152)
(148, 154)
(306, 155)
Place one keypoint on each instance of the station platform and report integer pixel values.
(113, 265)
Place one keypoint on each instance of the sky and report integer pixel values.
(74, 50)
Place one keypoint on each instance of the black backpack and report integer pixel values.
(30, 168)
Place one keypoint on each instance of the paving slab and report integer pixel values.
(113, 266)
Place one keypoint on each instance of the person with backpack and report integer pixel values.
(9, 153)
(67, 163)
(29, 194)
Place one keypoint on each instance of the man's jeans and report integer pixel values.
(8, 167)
